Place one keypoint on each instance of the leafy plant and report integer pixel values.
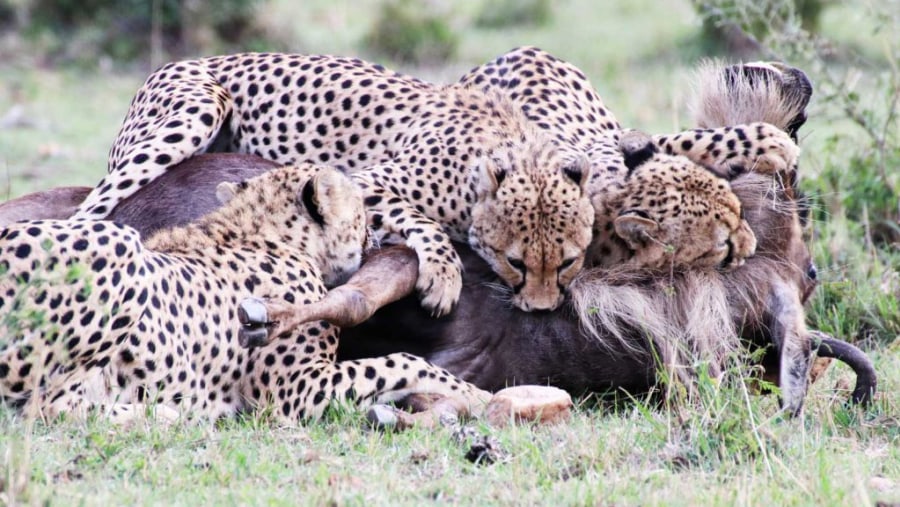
(408, 31)
(128, 29)
(508, 13)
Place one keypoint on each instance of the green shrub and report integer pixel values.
(738, 26)
(506, 13)
(856, 193)
(406, 30)
(126, 29)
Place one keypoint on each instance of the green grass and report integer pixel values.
(728, 449)
(70, 119)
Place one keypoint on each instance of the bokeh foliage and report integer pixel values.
(67, 29)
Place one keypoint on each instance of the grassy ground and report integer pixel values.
(727, 450)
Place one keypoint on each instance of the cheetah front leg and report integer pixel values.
(79, 392)
(731, 151)
(176, 114)
(439, 280)
(71, 401)
(304, 389)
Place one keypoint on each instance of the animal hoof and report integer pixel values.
(249, 337)
(382, 416)
(252, 312)
(254, 319)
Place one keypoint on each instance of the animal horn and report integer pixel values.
(866, 378)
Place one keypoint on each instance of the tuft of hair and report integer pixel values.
(685, 316)
(726, 95)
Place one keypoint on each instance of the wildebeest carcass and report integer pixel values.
(619, 321)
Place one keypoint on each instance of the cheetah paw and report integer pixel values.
(439, 285)
(780, 155)
(775, 153)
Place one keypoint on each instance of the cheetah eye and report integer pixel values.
(567, 263)
(516, 263)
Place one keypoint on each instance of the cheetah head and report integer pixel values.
(317, 208)
(532, 221)
(675, 213)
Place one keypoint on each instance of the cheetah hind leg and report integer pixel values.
(158, 134)
(442, 396)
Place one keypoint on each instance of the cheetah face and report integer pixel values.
(335, 204)
(315, 207)
(675, 213)
(533, 227)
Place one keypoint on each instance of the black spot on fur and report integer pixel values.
(23, 251)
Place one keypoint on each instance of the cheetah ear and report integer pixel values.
(314, 194)
(488, 177)
(579, 171)
(637, 147)
(225, 191)
(635, 227)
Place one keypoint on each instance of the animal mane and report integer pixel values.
(724, 96)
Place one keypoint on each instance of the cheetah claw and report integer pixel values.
(255, 324)
(439, 291)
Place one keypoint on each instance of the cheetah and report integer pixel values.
(667, 212)
(96, 320)
(436, 162)
(772, 98)
(659, 211)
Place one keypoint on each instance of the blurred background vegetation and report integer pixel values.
(68, 69)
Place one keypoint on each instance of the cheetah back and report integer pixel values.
(415, 147)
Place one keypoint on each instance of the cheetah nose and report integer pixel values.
(538, 305)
